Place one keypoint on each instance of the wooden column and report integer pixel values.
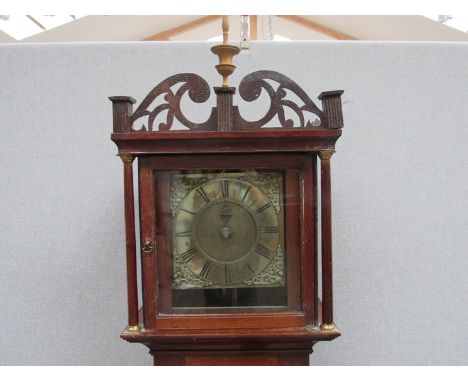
(132, 287)
(225, 107)
(122, 107)
(327, 280)
(331, 104)
(316, 235)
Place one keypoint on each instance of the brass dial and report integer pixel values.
(226, 231)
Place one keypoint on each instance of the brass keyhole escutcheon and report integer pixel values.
(147, 248)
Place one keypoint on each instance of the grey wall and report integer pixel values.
(400, 195)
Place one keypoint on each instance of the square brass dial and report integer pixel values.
(227, 229)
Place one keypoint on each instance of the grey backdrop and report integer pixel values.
(399, 180)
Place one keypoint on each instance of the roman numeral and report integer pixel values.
(272, 229)
(183, 234)
(224, 183)
(227, 275)
(189, 254)
(250, 268)
(263, 208)
(202, 193)
(206, 269)
(246, 192)
(263, 251)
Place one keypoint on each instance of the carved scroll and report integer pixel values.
(225, 116)
(198, 91)
(251, 87)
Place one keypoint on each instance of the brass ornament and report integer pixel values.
(127, 158)
(273, 274)
(326, 154)
(328, 327)
(133, 328)
(147, 248)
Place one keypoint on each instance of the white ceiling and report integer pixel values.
(135, 28)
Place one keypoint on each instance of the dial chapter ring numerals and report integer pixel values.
(226, 231)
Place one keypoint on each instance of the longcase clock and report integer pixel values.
(228, 222)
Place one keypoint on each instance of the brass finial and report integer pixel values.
(225, 53)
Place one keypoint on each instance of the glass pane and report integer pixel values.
(228, 240)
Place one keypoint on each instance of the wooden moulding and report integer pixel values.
(269, 140)
(253, 335)
(269, 346)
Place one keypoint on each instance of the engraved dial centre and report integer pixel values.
(233, 241)
(226, 233)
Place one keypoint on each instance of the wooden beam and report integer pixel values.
(36, 22)
(253, 28)
(167, 34)
(327, 31)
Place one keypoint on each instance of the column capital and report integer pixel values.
(326, 154)
(127, 158)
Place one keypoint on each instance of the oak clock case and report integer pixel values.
(229, 244)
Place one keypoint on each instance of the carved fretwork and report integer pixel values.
(225, 116)
(250, 89)
(198, 91)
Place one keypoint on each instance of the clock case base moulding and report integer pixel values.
(282, 347)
